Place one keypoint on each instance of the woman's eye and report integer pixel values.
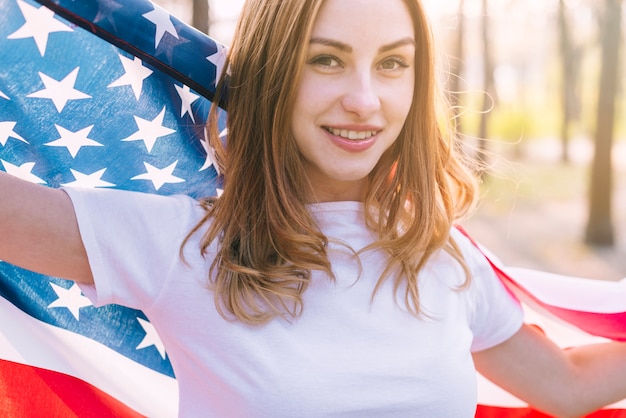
(394, 63)
(326, 61)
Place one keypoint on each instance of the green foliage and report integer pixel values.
(514, 123)
(531, 183)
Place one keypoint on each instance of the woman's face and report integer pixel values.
(355, 93)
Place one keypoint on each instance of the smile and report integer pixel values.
(352, 135)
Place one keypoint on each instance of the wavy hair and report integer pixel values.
(268, 242)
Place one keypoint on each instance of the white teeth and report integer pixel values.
(353, 135)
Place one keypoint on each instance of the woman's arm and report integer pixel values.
(563, 383)
(39, 232)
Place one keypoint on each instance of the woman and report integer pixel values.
(327, 279)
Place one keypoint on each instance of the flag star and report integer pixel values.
(159, 176)
(40, 23)
(187, 97)
(134, 74)
(163, 23)
(4, 96)
(219, 60)
(167, 48)
(151, 338)
(210, 159)
(90, 181)
(60, 92)
(150, 130)
(71, 298)
(210, 153)
(6, 132)
(74, 141)
(23, 171)
(106, 8)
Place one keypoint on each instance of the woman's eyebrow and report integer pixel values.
(397, 44)
(329, 42)
(348, 49)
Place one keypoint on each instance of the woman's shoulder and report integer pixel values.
(140, 207)
(118, 197)
(470, 249)
(473, 257)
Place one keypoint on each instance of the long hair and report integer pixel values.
(268, 242)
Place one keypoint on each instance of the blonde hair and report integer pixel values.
(268, 240)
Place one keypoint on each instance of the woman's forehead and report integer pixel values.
(364, 20)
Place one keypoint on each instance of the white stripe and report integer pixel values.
(577, 293)
(26, 340)
(600, 296)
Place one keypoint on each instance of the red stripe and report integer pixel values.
(607, 325)
(27, 391)
(500, 412)
(483, 411)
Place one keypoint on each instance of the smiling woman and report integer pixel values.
(346, 79)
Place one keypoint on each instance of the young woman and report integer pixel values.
(327, 280)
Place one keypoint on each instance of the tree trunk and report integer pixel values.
(457, 67)
(570, 71)
(201, 15)
(566, 82)
(489, 95)
(600, 227)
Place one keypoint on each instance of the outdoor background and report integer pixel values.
(542, 82)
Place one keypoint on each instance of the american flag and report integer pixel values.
(76, 110)
(104, 93)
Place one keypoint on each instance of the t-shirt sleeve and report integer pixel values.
(132, 240)
(496, 315)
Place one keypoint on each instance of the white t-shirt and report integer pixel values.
(345, 356)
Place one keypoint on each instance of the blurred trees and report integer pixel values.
(456, 77)
(564, 47)
(599, 227)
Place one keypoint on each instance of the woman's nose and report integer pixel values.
(361, 97)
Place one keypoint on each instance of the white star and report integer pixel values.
(60, 92)
(159, 176)
(70, 298)
(210, 153)
(74, 141)
(134, 74)
(23, 171)
(187, 98)
(218, 59)
(4, 96)
(40, 23)
(105, 12)
(150, 130)
(163, 24)
(151, 338)
(90, 181)
(6, 132)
